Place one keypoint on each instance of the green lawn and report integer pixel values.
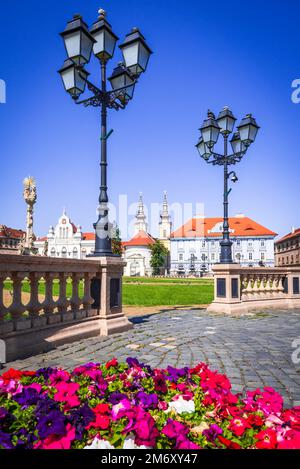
(173, 295)
(149, 291)
(183, 281)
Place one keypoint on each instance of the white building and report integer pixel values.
(66, 240)
(195, 246)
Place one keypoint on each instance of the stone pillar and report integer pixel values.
(112, 319)
(293, 287)
(227, 296)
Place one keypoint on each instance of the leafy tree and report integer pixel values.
(117, 242)
(158, 256)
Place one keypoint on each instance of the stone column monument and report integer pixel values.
(30, 196)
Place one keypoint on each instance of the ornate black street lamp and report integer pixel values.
(240, 142)
(79, 44)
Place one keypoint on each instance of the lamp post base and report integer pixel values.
(226, 253)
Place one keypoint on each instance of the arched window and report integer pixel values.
(83, 252)
(52, 252)
(75, 253)
(63, 252)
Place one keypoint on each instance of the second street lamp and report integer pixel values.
(241, 140)
(79, 44)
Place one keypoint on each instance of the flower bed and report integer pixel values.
(130, 405)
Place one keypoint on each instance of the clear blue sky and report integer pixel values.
(206, 55)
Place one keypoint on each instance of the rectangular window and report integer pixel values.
(262, 243)
(296, 290)
(250, 256)
(221, 287)
(212, 244)
(213, 257)
(250, 244)
(238, 242)
(180, 257)
(203, 244)
(262, 256)
(114, 292)
(234, 288)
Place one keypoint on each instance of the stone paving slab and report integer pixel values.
(253, 350)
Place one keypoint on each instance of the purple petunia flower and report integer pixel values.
(5, 441)
(51, 424)
(131, 362)
(176, 373)
(27, 397)
(26, 439)
(46, 372)
(116, 397)
(44, 406)
(80, 418)
(212, 432)
(147, 401)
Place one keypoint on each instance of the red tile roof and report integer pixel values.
(88, 236)
(140, 239)
(290, 235)
(7, 232)
(240, 226)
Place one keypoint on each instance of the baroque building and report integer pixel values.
(66, 240)
(195, 246)
(287, 249)
(10, 239)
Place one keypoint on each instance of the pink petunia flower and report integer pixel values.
(58, 442)
(66, 392)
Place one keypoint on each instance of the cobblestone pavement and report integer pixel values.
(254, 350)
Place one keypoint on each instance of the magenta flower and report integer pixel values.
(66, 392)
(174, 429)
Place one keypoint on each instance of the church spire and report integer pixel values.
(140, 223)
(165, 224)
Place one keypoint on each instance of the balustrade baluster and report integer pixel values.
(17, 308)
(3, 309)
(75, 300)
(34, 305)
(62, 303)
(49, 303)
(87, 299)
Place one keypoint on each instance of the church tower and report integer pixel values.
(165, 224)
(140, 223)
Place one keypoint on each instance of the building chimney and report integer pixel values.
(292, 230)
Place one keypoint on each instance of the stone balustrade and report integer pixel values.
(46, 301)
(243, 289)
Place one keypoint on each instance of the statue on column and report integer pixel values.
(30, 196)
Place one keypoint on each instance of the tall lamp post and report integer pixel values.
(240, 142)
(79, 43)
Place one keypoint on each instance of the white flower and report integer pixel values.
(181, 405)
(99, 444)
(130, 444)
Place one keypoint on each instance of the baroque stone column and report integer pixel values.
(30, 196)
